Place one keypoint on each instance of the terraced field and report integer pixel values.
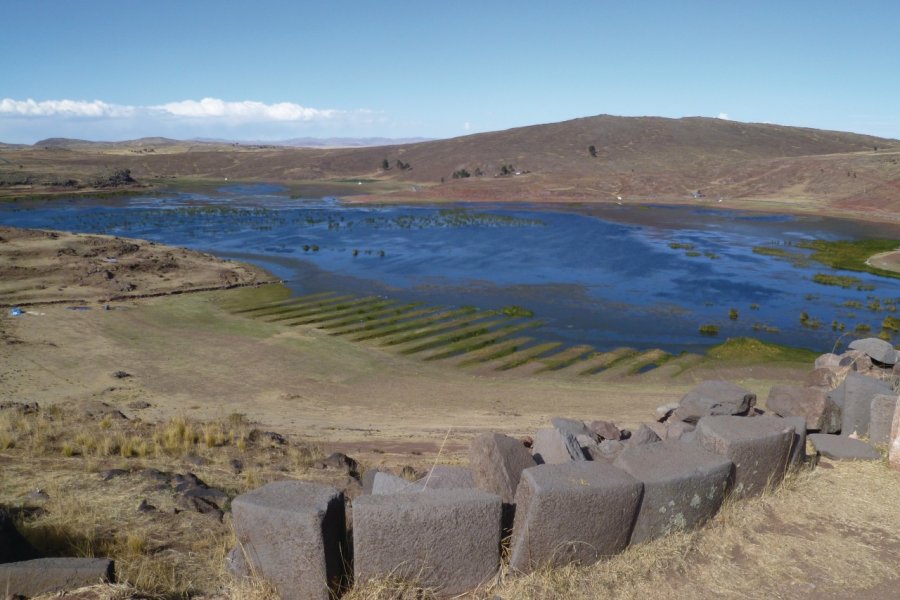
(486, 342)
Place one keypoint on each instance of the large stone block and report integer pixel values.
(712, 398)
(809, 402)
(684, 486)
(838, 447)
(759, 447)
(447, 477)
(387, 483)
(497, 462)
(876, 349)
(798, 446)
(881, 414)
(448, 540)
(855, 397)
(552, 446)
(572, 426)
(575, 512)
(294, 535)
(46, 575)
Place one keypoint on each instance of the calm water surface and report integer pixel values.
(605, 276)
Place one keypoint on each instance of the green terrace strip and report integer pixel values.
(564, 358)
(341, 311)
(300, 306)
(851, 255)
(631, 364)
(676, 365)
(317, 307)
(478, 342)
(603, 361)
(648, 360)
(341, 316)
(399, 315)
(436, 328)
(277, 303)
(494, 351)
(517, 359)
(408, 325)
(371, 316)
(454, 335)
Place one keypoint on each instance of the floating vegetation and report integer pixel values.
(765, 327)
(851, 255)
(862, 328)
(796, 258)
(852, 304)
(711, 255)
(809, 322)
(891, 323)
(754, 306)
(516, 311)
(874, 305)
(692, 253)
(710, 330)
(843, 281)
(749, 350)
(811, 297)
(733, 314)
(680, 246)
(838, 326)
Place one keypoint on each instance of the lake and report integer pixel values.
(609, 276)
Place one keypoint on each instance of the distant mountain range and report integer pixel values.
(306, 142)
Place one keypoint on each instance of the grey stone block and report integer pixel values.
(589, 447)
(677, 430)
(881, 414)
(644, 435)
(876, 349)
(823, 377)
(576, 512)
(798, 445)
(759, 447)
(368, 480)
(713, 398)
(857, 395)
(386, 483)
(447, 477)
(839, 447)
(684, 486)
(605, 430)
(448, 540)
(552, 446)
(294, 535)
(497, 462)
(572, 426)
(828, 361)
(44, 575)
(809, 402)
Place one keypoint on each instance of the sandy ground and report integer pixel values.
(889, 261)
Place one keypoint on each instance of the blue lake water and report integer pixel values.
(606, 276)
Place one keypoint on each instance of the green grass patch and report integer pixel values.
(752, 351)
(779, 252)
(851, 255)
(843, 281)
(680, 246)
(891, 323)
(516, 311)
(709, 329)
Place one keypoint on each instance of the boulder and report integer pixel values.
(798, 445)
(368, 480)
(677, 430)
(387, 483)
(823, 377)
(839, 447)
(713, 398)
(447, 477)
(878, 350)
(759, 448)
(448, 540)
(497, 462)
(855, 396)
(570, 426)
(828, 361)
(811, 403)
(684, 486)
(609, 449)
(49, 575)
(881, 415)
(294, 535)
(552, 446)
(643, 436)
(662, 429)
(577, 512)
(589, 447)
(855, 360)
(605, 430)
(236, 563)
(894, 448)
(665, 411)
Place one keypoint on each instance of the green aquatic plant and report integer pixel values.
(709, 329)
(733, 314)
(516, 311)
(843, 281)
(851, 255)
(680, 246)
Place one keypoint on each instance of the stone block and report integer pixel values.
(856, 394)
(823, 377)
(497, 462)
(839, 447)
(605, 430)
(713, 398)
(894, 448)
(294, 535)
(387, 483)
(798, 445)
(677, 430)
(448, 540)
(759, 447)
(368, 480)
(46, 575)
(572, 426)
(881, 414)
(552, 446)
(589, 447)
(577, 512)
(684, 486)
(876, 349)
(447, 477)
(809, 402)
(829, 361)
(644, 435)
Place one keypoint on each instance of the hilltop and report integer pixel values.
(592, 159)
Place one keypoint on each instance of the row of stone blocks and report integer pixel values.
(294, 533)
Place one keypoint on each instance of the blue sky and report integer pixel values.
(119, 69)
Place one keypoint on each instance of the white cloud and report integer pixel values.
(724, 116)
(66, 108)
(467, 126)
